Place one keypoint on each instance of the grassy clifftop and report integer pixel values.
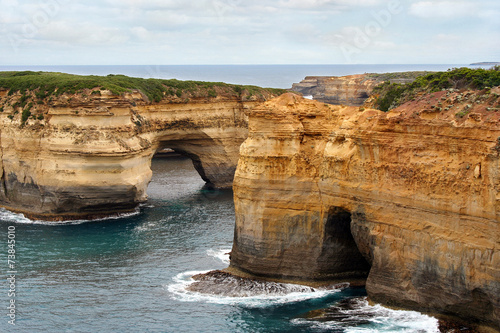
(46, 84)
(391, 95)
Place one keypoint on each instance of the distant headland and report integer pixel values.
(486, 63)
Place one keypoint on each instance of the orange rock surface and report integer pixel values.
(410, 198)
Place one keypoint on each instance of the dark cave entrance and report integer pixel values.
(340, 255)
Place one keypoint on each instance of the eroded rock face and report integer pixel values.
(348, 90)
(91, 157)
(418, 192)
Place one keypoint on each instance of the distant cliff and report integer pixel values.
(486, 63)
(407, 201)
(76, 147)
(347, 90)
(352, 90)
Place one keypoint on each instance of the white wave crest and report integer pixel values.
(220, 254)
(375, 319)
(8, 216)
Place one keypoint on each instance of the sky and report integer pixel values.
(178, 32)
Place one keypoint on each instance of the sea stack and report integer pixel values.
(406, 201)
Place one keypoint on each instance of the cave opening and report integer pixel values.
(340, 255)
(172, 150)
(172, 176)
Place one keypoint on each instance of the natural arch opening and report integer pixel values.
(172, 177)
(340, 255)
(195, 159)
(201, 150)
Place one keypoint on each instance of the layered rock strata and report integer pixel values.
(89, 155)
(348, 90)
(351, 90)
(408, 198)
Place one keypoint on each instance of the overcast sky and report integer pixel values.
(169, 32)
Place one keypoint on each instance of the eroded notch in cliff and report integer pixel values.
(340, 256)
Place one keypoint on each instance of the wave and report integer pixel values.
(220, 254)
(8, 216)
(357, 316)
(349, 315)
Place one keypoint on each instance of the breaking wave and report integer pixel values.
(355, 315)
(8, 216)
(220, 254)
(348, 314)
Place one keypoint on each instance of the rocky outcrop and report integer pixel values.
(88, 154)
(348, 90)
(407, 201)
(228, 285)
(351, 90)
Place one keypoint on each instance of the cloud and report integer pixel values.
(85, 34)
(240, 31)
(443, 9)
(150, 4)
(320, 4)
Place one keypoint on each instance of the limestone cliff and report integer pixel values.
(409, 199)
(88, 154)
(351, 90)
(347, 90)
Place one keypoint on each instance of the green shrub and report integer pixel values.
(46, 84)
(393, 95)
(212, 93)
(26, 114)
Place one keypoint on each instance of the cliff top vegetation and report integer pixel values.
(46, 84)
(405, 77)
(391, 95)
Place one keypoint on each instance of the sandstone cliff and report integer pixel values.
(351, 90)
(409, 199)
(88, 154)
(347, 90)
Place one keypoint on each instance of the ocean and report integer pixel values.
(130, 274)
(269, 76)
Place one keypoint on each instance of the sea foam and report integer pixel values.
(8, 216)
(361, 317)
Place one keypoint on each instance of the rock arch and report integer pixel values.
(95, 161)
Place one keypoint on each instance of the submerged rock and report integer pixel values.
(349, 311)
(455, 327)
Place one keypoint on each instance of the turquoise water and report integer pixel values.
(129, 274)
